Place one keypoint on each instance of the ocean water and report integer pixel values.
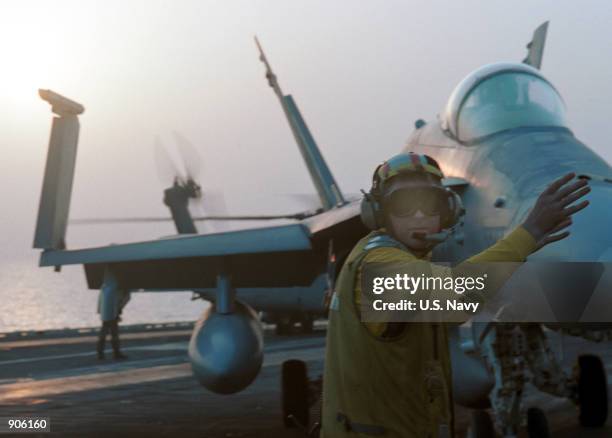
(33, 298)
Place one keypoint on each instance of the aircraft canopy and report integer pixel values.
(502, 96)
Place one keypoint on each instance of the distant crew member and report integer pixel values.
(110, 313)
(393, 379)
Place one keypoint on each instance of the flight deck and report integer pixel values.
(153, 393)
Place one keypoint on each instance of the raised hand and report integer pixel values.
(552, 211)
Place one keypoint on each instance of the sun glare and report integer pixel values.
(28, 58)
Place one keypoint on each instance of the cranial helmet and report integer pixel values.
(400, 164)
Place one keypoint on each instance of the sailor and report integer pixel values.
(111, 302)
(393, 379)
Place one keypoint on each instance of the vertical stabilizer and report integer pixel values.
(321, 175)
(59, 172)
(535, 48)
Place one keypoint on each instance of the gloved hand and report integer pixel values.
(551, 213)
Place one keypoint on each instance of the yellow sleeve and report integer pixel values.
(515, 247)
(499, 261)
(512, 249)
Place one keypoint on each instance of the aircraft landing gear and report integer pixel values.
(299, 395)
(295, 394)
(307, 324)
(285, 324)
(481, 425)
(537, 424)
(503, 349)
(509, 349)
(592, 391)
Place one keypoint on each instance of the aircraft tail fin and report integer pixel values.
(321, 175)
(535, 48)
(59, 172)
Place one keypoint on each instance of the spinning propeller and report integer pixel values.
(182, 177)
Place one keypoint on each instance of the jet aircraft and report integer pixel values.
(502, 136)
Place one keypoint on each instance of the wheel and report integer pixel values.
(592, 391)
(307, 324)
(537, 424)
(295, 394)
(481, 425)
(283, 327)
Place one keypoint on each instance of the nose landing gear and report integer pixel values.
(295, 396)
(299, 395)
(592, 391)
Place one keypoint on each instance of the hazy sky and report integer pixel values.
(361, 72)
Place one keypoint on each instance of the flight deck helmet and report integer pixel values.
(372, 204)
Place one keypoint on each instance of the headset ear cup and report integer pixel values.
(458, 209)
(455, 209)
(369, 212)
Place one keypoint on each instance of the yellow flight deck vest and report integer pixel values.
(391, 379)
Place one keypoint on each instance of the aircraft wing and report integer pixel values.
(289, 254)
